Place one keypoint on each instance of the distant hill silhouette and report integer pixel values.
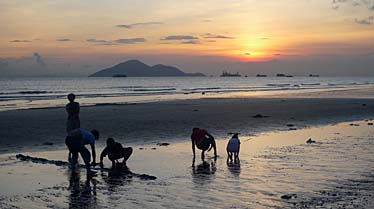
(135, 68)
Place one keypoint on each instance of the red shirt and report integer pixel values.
(198, 135)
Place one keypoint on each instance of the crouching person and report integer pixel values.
(115, 152)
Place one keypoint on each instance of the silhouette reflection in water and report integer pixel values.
(82, 194)
(203, 172)
(234, 167)
(116, 177)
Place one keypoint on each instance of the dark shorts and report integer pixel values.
(204, 144)
(76, 146)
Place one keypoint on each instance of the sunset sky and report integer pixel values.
(206, 36)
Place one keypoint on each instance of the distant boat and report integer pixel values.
(281, 75)
(311, 75)
(260, 75)
(119, 76)
(228, 74)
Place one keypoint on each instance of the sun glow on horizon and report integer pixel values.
(237, 31)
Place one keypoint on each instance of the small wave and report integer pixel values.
(202, 88)
(137, 87)
(310, 84)
(27, 92)
(34, 92)
(279, 85)
(156, 89)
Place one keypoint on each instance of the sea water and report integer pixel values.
(44, 92)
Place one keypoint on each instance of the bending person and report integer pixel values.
(233, 148)
(203, 141)
(115, 151)
(76, 141)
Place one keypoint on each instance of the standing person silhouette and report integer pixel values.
(72, 108)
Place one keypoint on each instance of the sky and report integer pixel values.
(77, 38)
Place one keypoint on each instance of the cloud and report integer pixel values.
(93, 40)
(20, 41)
(179, 37)
(209, 35)
(64, 39)
(129, 40)
(362, 22)
(190, 42)
(39, 60)
(366, 21)
(369, 4)
(116, 42)
(131, 26)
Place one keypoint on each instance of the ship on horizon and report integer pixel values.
(228, 74)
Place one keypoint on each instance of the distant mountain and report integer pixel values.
(135, 68)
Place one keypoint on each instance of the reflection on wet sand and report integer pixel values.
(82, 195)
(234, 167)
(116, 178)
(203, 172)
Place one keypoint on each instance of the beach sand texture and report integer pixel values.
(277, 169)
(174, 120)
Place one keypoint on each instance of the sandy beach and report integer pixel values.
(173, 120)
(277, 169)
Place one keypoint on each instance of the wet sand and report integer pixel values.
(37, 129)
(277, 170)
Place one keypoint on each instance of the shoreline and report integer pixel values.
(357, 92)
(170, 121)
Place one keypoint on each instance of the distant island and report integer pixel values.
(135, 68)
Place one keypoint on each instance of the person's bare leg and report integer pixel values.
(230, 156)
(236, 157)
(126, 155)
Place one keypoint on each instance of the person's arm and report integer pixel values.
(93, 154)
(193, 147)
(213, 143)
(102, 155)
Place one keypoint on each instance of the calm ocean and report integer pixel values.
(40, 92)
